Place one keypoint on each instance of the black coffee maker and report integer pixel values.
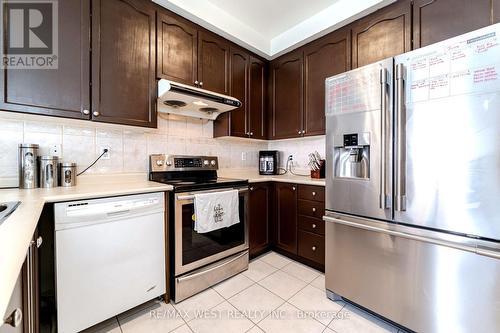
(268, 162)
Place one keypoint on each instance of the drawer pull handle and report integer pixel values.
(314, 194)
(314, 209)
(313, 248)
(314, 226)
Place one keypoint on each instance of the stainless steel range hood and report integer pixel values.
(184, 100)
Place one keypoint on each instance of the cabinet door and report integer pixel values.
(239, 89)
(286, 217)
(123, 62)
(65, 91)
(383, 34)
(437, 20)
(287, 96)
(323, 58)
(258, 207)
(257, 99)
(496, 11)
(213, 62)
(177, 49)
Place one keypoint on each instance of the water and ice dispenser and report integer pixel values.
(352, 156)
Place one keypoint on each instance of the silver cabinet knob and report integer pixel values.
(314, 226)
(39, 241)
(251, 188)
(196, 82)
(251, 133)
(304, 132)
(201, 84)
(300, 132)
(86, 112)
(313, 248)
(314, 194)
(15, 319)
(314, 209)
(96, 114)
(294, 188)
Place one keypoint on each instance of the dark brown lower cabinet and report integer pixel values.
(259, 201)
(286, 217)
(311, 246)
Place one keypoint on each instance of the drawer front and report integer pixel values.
(311, 224)
(311, 208)
(309, 192)
(312, 246)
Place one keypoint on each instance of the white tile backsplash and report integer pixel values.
(300, 149)
(130, 146)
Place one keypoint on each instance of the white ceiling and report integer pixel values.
(271, 18)
(272, 27)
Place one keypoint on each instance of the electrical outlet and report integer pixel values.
(243, 156)
(55, 150)
(106, 156)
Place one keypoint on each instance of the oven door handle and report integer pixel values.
(213, 268)
(191, 196)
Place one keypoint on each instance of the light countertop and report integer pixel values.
(17, 230)
(253, 177)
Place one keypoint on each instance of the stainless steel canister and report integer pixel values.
(48, 171)
(28, 173)
(67, 174)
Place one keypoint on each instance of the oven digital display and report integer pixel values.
(187, 162)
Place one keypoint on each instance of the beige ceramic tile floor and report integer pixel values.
(274, 295)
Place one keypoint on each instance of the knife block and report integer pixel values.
(320, 173)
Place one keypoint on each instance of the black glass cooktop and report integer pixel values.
(195, 181)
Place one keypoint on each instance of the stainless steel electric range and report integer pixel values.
(199, 260)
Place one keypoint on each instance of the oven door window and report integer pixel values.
(197, 246)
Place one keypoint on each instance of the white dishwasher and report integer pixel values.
(110, 257)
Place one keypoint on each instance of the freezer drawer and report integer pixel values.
(425, 283)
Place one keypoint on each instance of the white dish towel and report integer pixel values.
(216, 210)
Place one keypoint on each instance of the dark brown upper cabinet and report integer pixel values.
(257, 115)
(286, 217)
(238, 78)
(383, 34)
(287, 95)
(64, 91)
(177, 49)
(123, 62)
(258, 203)
(213, 62)
(323, 58)
(437, 20)
(496, 11)
(247, 77)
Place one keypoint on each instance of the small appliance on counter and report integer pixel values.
(48, 171)
(67, 174)
(28, 173)
(268, 162)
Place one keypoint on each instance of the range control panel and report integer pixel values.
(162, 162)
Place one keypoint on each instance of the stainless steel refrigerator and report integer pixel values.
(413, 186)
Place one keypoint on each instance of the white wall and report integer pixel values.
(130, 146)
(300, 149)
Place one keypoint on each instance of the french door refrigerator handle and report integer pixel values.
(454, 245)
(383, 146)
(400, 195)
